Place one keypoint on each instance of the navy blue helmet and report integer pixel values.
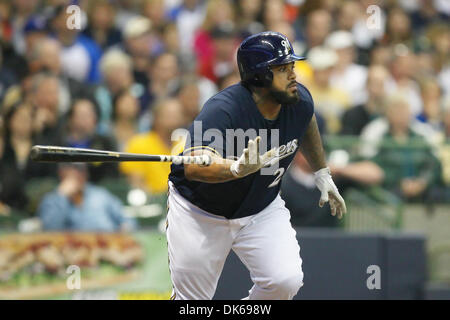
(260, 51)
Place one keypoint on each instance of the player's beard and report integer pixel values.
(283, 97)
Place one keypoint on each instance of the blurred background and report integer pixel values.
(124, 74)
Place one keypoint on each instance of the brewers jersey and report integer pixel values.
(227, 117)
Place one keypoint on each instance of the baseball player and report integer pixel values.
(232, 203)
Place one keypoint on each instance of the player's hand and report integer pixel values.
(329, 192)
(250, 160)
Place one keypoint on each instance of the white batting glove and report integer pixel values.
(250, 160)
(329, 192)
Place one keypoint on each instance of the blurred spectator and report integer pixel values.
(188, 17)
(223, 59)
(116, 68)
(357, 174)
(35, 31)
(100, 28)
(398, 28)
(22, 11)
(140, 43)
(349, 17)
(381, 55)
(155, 11)
(149, 176)
(356, 118)
(318, 26)
(5, 21)
(442, 6)
(193, 91)
(80, 132)
(9, 56)
(15, 166)
(372, 134)
(46, 57)
(249, 13)
(125, 118)
(117, 72)
(299, 179)
(439, 36)
(78, 205)
(170, 38)
(446, 117)
(329, 101)
(45, 98)
(441, 192)
(215, 42)
(274, 12)
(163, 72)
(80, 55)
(408, 172)
(347, 75)
(7, 77)
(431, 98)
(425, 64)
(426, 15)
(189, 98)
(126, 10)
(403, 69)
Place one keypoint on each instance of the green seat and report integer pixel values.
(117, 186)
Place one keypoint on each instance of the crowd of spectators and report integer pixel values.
(135, 70)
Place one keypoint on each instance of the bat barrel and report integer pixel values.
(65, 154)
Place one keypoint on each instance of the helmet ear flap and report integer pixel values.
(268, 78)
(263, 79)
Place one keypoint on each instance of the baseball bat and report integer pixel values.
(66, 154)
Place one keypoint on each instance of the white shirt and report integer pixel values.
(353, 81)
(76, 62)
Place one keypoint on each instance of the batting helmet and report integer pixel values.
(260, 51)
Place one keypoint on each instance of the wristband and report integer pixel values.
(322, 172)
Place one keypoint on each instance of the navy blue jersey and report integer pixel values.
(217, 127)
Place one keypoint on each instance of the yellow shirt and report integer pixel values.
(154, 173)
(331, 103)
(304, 72)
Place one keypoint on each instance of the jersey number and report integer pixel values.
(278, 173)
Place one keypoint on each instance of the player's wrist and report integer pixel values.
(322, 172)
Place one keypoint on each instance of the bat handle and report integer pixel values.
(203, 160)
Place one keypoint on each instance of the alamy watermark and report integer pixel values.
(374, 280)
(232, 142)
(73, 282)
(373, 22)
(74, 19)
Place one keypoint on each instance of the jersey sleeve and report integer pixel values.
(208, 131)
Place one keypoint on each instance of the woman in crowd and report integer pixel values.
(125, 118)
(16, 168)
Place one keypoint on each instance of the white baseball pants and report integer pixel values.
(199, 243)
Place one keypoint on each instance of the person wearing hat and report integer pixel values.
(80, 55)
(35, 30)
(221, 60)
(329, 100)
(347, 75)
(140, 43)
